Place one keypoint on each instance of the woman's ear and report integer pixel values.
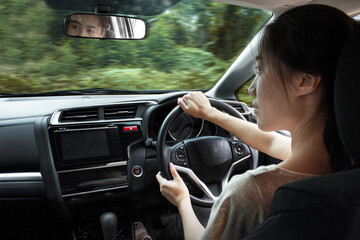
(306, 83)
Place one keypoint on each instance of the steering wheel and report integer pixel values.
(203, 162)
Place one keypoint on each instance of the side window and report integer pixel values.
(242, 94)
(357, 17)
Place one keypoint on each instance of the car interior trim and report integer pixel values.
(109, 165)
(94, 191)
(56, 123)
(55, 117)
(227, 176)
(197, 181)
(23, 176)
(84, 129)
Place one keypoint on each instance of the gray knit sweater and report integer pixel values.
(245, 201)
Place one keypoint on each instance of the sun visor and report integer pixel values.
(128, 7)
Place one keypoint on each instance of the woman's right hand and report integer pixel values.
(174, 190)
(196, 104)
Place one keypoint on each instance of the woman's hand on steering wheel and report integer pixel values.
(173, 190)
(196, 104)
(218, 155)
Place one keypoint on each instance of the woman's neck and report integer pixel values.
(309, 154)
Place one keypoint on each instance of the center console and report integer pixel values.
(92, 159)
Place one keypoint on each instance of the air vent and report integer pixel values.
(119, 112)
(80, 115)
(240, 108)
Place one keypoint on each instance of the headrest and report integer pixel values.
(347, 95)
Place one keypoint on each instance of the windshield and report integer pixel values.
(189, 47)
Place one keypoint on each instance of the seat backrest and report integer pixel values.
(325, 207)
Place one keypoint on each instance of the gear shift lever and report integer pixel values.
(108, 222)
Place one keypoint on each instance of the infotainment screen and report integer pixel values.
(85, 146)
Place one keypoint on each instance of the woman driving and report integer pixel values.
(293, 90)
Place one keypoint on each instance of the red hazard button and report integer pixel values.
(130, 128)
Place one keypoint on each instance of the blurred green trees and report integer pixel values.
(189, 47)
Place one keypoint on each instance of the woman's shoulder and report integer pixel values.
(264, 180)
(260, 171)
(246, 182)
(268, 169)
(273, 171)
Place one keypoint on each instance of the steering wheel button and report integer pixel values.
(180, 156)
(239, 149)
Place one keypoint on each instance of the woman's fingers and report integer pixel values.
(174, 190)
(182, 104)
(174, 173)
(194, 103)
(160, 178)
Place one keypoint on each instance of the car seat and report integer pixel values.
(325, 207)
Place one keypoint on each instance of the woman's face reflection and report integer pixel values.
(85, 26)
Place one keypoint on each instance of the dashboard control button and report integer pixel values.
(130, 128)
(137, 171)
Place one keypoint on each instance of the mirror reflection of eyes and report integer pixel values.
(91, 31)
(76, 29)
(74, 26)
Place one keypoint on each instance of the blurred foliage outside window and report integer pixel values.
(189, 47)
(242, 94)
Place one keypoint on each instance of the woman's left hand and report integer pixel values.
(174, 190)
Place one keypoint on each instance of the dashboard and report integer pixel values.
(73, 149)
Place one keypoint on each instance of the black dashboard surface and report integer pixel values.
(61, 154)
(28, 147)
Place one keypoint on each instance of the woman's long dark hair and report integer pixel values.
(309, 39)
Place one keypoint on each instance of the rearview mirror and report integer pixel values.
(105, 26)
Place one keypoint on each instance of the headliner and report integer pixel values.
(278, 6)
